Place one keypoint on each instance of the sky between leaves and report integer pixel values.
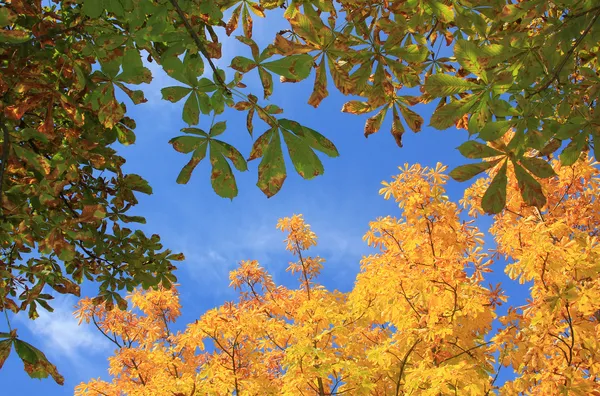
(216, 233)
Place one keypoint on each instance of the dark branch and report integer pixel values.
(565, 59)
(5, 152)
(199, 43)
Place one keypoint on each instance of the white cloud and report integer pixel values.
(61, 336)
(210, 258)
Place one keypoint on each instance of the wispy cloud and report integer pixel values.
(59, 334)
(209, 258)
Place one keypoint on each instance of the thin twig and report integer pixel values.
(199, 44)
(564, 60)
(114, 341)
(403, 365)
(465, 351)
(582, 13)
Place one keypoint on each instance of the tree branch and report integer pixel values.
(403, 366)
(564, 60)
(5, 152)
(199, 43)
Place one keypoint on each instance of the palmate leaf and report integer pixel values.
(320, 87)
(305, 161)
(475, 150)
(314, 139)
(5, 348)
(294, 67)
(301, 144)
(440, 85)
(35, 362)
(495, 130)
(538, 167)
(531, 190)
(469, 57)
(271, 170)
(494, 198)
(222, 178)
(571, 153)
(373, 124)
(465, 172)
(447, 115)
(175, 94)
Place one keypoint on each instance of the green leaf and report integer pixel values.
(137, 183)
(465, 172)
(222, 178)
(7, 17)
(305, 161)
(261, 144)
(175, 94)
(571, 153)
(494, 199)
(93, 8)
(193, 67)
(439, 85)
(271, 170)
(186, 144)
(198, 155)
(447, 115)
(467, 54)
(552, 146)
(531, 190)
(475, 150)
(538, 167)
(267, 82)
(191, 111)
(173, 66)
(295, 67)
(495, 130)
(242, 64)
(230, 152)
(412, 119)
(195, 131)
(596, 138)
(5, 347)
(444, 12)
(35, 362)
(125, 135)
(312, 137)
(218, 128)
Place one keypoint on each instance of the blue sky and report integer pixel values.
(216, 233)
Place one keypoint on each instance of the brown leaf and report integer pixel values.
(320, 88)
(232, 24)
(397, 128)
(374, 123)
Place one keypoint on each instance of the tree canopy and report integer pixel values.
(417, 321)
(528, 67)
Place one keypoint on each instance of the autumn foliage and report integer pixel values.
(489, 66)
(419, 320)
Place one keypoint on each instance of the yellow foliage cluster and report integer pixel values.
(418, 320)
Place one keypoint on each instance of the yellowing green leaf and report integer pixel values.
(494, 199)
